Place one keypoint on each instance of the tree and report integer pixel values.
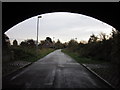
(23, 43)
(49, 39)
(5, 41)
(115, 47)
(31, 42)
(6, 50)
(92, 38)
(72, 45)
(28, 43)
(65, 44)
(42, 42)
(47, 43)
(58, 45)
(15, 43)
(103, 37)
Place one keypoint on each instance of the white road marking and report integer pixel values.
(18, 74)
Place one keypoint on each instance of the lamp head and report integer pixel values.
(39, 16)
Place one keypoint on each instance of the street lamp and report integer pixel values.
(37, 31)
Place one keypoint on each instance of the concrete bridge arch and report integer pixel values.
(14, 13)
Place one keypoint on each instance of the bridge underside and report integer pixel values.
(14, 13)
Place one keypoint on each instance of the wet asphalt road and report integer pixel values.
(56, 70)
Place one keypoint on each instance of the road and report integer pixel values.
(56, 70)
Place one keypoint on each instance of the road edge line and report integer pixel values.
(97, 75)
(17, 70)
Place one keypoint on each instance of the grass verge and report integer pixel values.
(79, 59)
(30, 54)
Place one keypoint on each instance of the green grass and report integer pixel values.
(30, 54)
(43, 52)
(79, 59)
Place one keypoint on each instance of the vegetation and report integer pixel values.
(28, 43)
(15, 43)
(81, 59)
(29, 54)
(102, 47)
(99, 48)
(58, 45)
(26, 51)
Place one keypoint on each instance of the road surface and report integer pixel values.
(56, 70)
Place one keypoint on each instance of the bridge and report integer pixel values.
(14, 13)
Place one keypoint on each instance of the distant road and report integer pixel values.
(56, 70)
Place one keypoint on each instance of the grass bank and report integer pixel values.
(29, 54)
(79, 59)
(24, 54)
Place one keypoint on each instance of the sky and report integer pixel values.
(58, 25)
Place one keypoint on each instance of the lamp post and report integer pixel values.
(37, 32)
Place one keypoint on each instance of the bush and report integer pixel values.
(99, 48)
(29, 54)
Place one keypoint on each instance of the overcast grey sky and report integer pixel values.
(61, 25)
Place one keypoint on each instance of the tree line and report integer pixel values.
(30, 43)
(100, 47)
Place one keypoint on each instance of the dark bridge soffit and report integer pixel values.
(14, 13)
